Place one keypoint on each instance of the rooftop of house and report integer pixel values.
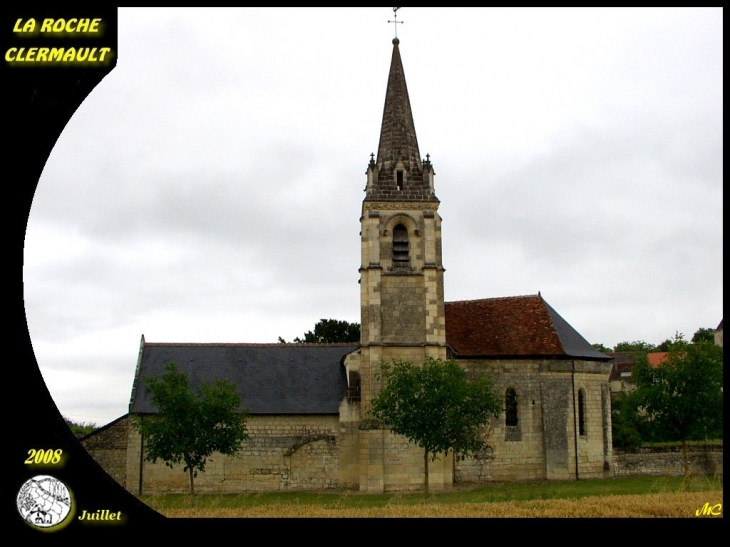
(656, 358)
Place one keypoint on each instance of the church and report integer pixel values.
(308, 403)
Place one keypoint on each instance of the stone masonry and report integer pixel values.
(544, 442)
(108, 446)
(281, 453)
(704, 460)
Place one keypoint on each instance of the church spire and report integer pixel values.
(399, 173)
(398, 132)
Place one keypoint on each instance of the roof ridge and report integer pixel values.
(253, 344)
(493, 298)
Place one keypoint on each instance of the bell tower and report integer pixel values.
(401, 273)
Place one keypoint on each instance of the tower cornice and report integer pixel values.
(411, 205)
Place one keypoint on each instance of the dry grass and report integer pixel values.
(682, 504)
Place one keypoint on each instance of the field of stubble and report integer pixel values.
(616, 498)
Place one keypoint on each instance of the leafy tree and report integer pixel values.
(638, 346)
(666, 345)
(669, 342)
(704, 335)
(435, 406)
(80, 429)
(681, 400)
(624, 427)
(330, 331)
(602, 348)
(190, 426)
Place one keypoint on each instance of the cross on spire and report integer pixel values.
(395, 21)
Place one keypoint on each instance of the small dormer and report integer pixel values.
(399, 176)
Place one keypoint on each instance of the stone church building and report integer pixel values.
(308, 403)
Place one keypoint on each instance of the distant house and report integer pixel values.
(622, 364)
(621, 377)
(656, 358)
(718, 334)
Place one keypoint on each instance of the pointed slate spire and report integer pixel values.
(398, 132)
(398, 171)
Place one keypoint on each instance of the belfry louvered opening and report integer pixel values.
(400, 245)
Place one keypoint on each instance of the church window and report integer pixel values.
(400, 245)
(399, 179)
(511, 408)
(581, 412)
(353, 388)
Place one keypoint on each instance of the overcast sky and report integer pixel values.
(210, 188)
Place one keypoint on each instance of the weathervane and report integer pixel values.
(395, 21)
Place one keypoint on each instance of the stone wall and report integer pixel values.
(514, 452)
(704, 460)
(108, 446)
(281, 453)
(319, 452)
(403, 311)
(543, 443)
(594, 444)
(389, 463)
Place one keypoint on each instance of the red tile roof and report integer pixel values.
(656, 358)
(511, 327)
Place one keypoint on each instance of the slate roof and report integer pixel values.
(515, 326)
(310, 378)
(271, 378)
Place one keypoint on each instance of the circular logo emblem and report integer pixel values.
(44, 501)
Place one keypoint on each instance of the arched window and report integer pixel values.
(581, 412)
(400, 245)
(510, 408)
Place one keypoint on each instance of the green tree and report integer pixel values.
(669, 342)
(704, 335)
(80, 429)
(330, 331)
(666, 345)
(624, 427)
(681, 400)
(189, 426)
(602, 348)
(435, 406)
(638, 346)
